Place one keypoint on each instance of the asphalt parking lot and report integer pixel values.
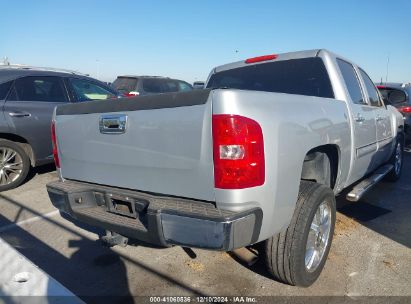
(370, 254)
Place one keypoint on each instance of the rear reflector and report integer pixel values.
(405, 109)
(238, 152)
(261, 58)
(54, 142)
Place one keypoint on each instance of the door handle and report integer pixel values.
(359, 118)
(19, 114)
(379, 118)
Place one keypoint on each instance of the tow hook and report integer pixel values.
(112, 239)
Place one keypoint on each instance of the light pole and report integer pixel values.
(388, 62)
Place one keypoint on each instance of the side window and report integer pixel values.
(4, 89)
(38, 88)
(372, 91)
(86, 90)
(184, 86)
(170, 86)
(152, 85)
(351, 81)
(12, 95)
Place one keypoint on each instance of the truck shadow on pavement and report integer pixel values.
(94, 273)
(385, 209)
(39, 171)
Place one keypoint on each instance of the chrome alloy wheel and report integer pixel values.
(398, 159)
(11, 165)
(318, 236)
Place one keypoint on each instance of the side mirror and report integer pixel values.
(396, 96)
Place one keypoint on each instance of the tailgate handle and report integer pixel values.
(113, 124)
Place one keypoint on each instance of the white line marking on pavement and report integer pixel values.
(19, 277)
(30, 220)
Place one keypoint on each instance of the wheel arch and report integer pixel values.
(315, 165)
(23, 143)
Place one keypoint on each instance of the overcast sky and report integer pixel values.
(186, 39)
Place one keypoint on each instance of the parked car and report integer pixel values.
(148, 85)
(28, 97)
(258, 156)
(398, 95)
(198, 85)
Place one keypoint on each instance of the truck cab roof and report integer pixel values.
(281, 57)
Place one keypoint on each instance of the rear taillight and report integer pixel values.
(238, 152)
(54, 141)
(132, 94)
(405, 109)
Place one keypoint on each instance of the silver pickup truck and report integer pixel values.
(257, 156)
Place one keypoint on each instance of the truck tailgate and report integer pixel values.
(166, 146)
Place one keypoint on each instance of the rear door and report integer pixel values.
(382, 117)
(29, 108)
(364, 126)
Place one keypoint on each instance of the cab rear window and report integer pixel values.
(306, 76)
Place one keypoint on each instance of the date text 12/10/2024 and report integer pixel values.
(202, 299)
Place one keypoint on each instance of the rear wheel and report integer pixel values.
(297, 255)
(396, 160)
(14, 165)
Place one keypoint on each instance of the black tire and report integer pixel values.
(25, 161)
(395, 173)
(285, 252)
